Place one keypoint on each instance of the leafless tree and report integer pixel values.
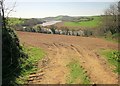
(2, 13)
(6, 11)
(110, 20)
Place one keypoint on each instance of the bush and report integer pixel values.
(11, 52)
(88, 33)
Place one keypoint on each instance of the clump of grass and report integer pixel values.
(113, 57)
(28, 64)
(113, 38)
(77, 74)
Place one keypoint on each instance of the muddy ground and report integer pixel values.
(62, 49)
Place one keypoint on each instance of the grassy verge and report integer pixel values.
(28, 64)
(77, 74)
(113, 57)
(112, 38)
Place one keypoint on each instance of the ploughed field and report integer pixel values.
(61, 50)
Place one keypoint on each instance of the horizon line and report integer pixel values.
(54, 16)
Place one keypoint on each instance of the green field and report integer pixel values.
(89, 24)
(14, 21)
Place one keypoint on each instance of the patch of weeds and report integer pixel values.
(112, 38)
(113, 57)
(28, 64)
(77, 74)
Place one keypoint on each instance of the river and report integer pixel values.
(50, 23)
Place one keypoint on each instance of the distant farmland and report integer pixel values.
(81, 25)
(92, 23)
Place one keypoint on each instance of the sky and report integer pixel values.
(51, 8)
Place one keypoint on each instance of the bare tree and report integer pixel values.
(2, 14)
(110, 20)
(5, 12)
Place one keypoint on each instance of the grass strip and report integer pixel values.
(77, 74)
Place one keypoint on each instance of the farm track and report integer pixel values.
(63, 49)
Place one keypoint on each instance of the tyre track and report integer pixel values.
(95, 68)
(56, 70)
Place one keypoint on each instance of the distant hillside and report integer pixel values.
(81, 23)
(17, 23)
(62, 18)
(67, 21)
(66, 18)
(14, 21)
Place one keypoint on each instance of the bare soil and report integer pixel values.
(61, 49)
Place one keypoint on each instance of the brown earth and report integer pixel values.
(62, 49)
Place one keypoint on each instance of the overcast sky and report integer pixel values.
(47, 8)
